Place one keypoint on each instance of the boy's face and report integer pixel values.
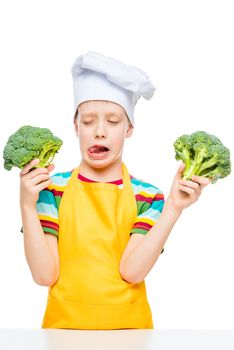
(102, 122)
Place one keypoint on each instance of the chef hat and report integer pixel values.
(97, 77)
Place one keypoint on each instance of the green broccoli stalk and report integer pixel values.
(30, 142)
(208, 156)
(200, 152)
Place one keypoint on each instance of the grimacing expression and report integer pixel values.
(102, 122)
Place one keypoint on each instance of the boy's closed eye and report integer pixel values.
(111, 121)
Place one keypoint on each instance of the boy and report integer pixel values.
(94, 233)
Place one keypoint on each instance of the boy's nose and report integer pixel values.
(100, 130)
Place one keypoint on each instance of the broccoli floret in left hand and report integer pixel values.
(30, 142)
(207, 156)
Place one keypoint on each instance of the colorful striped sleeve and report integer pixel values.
(150, 202)
(49, 200)
(48, 203)
(47, 211)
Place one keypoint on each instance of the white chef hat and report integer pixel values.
(97, 77)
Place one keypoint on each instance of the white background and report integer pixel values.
(186, 47)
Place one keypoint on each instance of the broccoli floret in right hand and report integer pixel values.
(30, 142)
(204, 155)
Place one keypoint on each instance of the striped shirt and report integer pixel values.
(149, 200)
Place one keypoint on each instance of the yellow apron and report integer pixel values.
(95, 220)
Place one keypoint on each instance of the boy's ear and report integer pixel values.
(129, 130)
(75, 125)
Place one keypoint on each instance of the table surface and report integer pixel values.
(125, 339)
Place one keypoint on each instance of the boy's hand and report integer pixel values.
(183, 193)
(32, 182)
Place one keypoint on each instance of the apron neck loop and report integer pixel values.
(125, 177)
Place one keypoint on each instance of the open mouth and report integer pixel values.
(98, 152)
(98, 149)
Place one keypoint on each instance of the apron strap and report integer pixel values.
(125, 175)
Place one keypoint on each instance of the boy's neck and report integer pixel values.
(110, 172)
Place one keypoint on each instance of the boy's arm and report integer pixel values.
(40, 249)
(136, 264)
(142, 251)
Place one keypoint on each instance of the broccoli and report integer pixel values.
(204, 155)
(30, 142)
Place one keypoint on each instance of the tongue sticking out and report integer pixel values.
(98, 149)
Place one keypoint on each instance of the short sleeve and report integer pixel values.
(149, 210)
(48, 203)
(47, 211)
